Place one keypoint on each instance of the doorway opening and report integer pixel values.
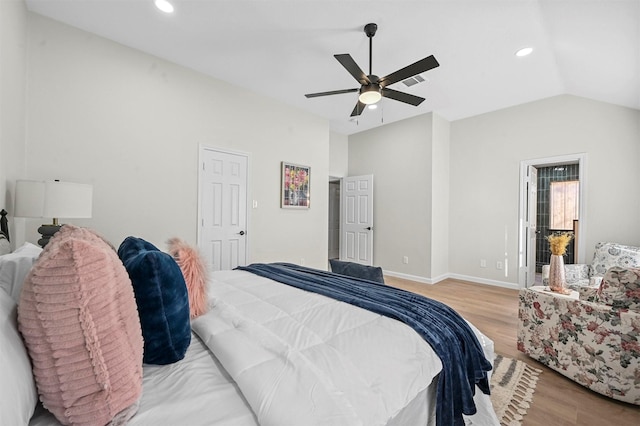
(351, 219)
(334, 219)
(558, 210)
(559, 190)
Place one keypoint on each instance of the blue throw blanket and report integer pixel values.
(463, 362)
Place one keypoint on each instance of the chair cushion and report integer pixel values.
(77, 315)
(162, 299)
(607, 255)
(352, 269)
(620, 288)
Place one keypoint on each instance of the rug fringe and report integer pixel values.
(522, 396)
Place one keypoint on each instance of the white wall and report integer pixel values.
(338, 155)
(131, 124)
(13, 39)
(440, 198)
(486, 151)
(399, 155)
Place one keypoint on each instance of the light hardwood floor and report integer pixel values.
(558, 400)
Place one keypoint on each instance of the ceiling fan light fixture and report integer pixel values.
(164, 6)
(370, 94)
(524, 51)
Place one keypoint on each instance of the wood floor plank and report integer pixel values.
(558, 401)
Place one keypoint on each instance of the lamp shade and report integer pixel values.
(53, 199)
(67, 200)
(29, 198)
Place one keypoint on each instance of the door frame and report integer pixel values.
(531, 223)
(581, 159)
(201, 150)
(338, 181)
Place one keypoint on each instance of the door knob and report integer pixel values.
(368, 228)
(241, 233)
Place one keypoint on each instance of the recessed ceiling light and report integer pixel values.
(164, 6)
(524, 51)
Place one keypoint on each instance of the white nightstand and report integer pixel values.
(545, 289)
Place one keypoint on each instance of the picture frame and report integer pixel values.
(295, 186)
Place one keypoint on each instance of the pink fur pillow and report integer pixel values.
(78, 317)
(195, 274)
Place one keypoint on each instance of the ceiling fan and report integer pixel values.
(373, 88)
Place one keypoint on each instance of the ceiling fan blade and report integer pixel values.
(402, 96)
(334, 92)
(422, 65)
(350, 65)
(358, 109)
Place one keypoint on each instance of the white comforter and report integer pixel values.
(304, 359)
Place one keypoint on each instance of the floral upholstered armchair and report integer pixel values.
(595, 342)
(606, 255)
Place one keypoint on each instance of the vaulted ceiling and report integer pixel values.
(284, 49)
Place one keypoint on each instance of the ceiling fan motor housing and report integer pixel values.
(370, 29)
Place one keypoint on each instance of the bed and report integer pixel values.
(268, 353)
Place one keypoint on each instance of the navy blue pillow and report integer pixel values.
(133, 245)
(162, 299)
(371, 273)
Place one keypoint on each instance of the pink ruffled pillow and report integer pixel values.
(195, 273)
(79, 320)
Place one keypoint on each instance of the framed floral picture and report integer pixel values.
(295, 187)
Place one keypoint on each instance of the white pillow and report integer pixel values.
(18, 395)
(14, 268)
(5, 247)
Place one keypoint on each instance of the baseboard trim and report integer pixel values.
(409, 277)
(475, 280)
(478, 280)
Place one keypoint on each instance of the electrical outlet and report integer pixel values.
(498, 265)
(483, 263)
(405, 260)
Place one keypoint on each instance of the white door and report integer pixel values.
(222, 231)
(531, 224)
(356, 212)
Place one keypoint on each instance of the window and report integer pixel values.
(564, 204)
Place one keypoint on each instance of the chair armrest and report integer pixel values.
(545, 274)
(587, 293)
(595, 282)
(577, 273)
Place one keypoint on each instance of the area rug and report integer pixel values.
(513, 383)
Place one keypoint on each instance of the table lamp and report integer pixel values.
(52, 199)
